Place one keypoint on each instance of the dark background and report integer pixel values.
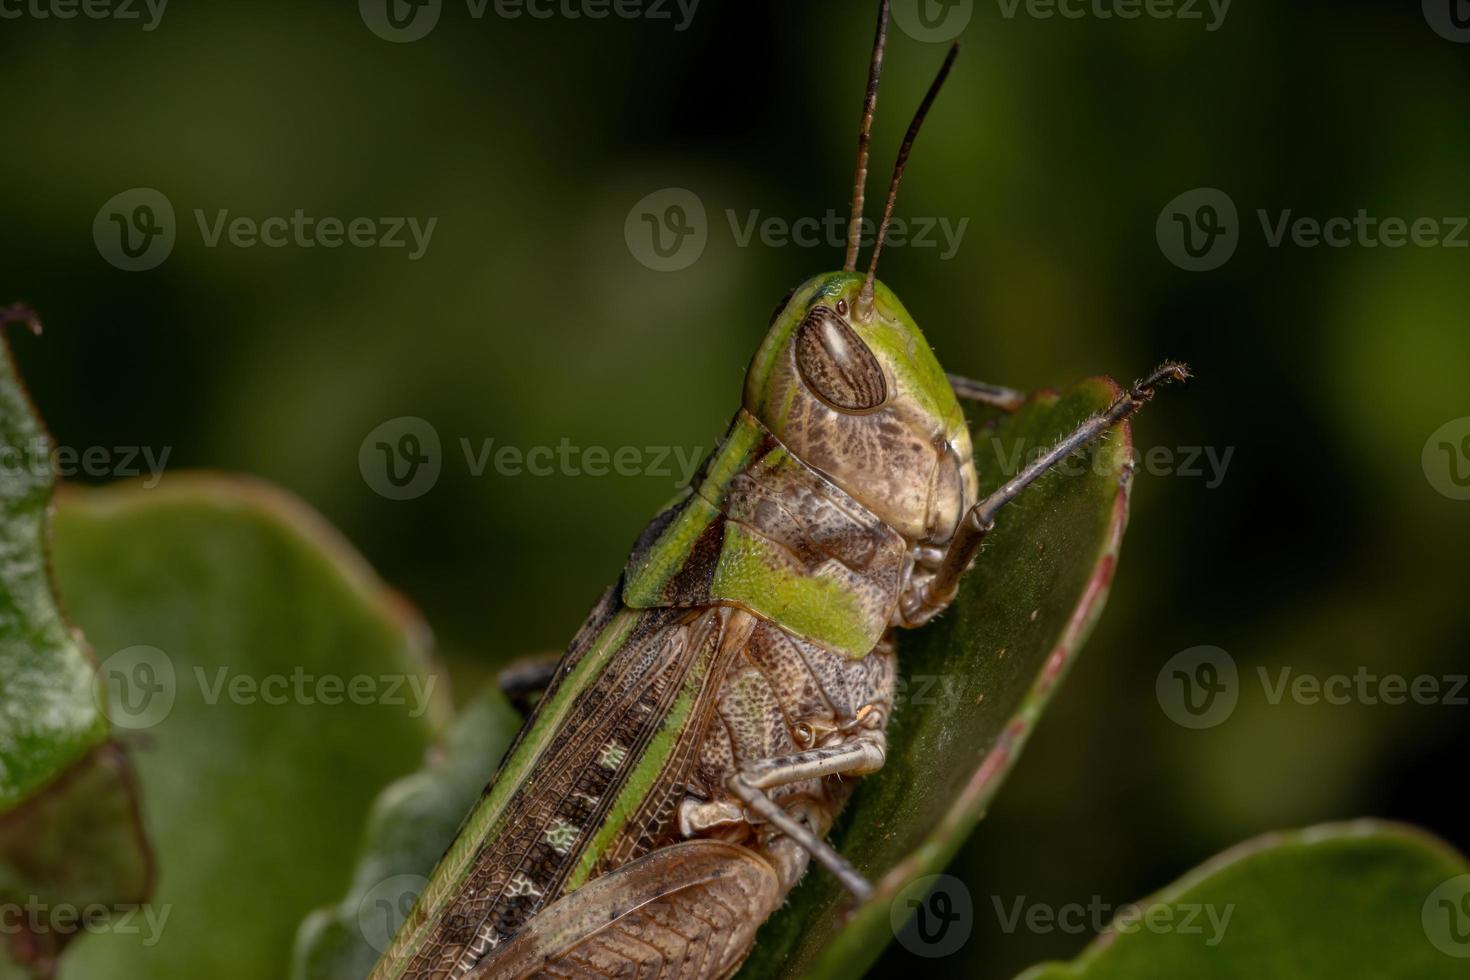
(1326, 548)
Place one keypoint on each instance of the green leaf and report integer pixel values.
(412, 823)
(274, 686)
(48, 719)
(975, 682)
(70, 836)
(1363, 899)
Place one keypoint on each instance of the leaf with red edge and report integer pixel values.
(70, 833)
(974, 684)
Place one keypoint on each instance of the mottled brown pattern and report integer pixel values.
(836, 363)
(770, 694)
(789, 503)
(783, 695)
(689, 910)
(801, 525)
(654, 822)
(518, 871)
(690, 585)
(886, 458)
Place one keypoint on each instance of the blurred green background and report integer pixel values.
(1325, 548)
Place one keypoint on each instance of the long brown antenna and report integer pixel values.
(865, 298)
(865, 137)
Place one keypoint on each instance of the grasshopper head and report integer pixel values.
(847, 382)
(864, 401)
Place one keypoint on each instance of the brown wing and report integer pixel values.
(685, 912)
(564, 783)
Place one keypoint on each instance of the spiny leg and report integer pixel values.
(996, 396)
(857, 757)
(981, 518)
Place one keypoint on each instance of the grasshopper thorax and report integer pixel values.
(864, 401)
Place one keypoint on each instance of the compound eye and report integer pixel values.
(836, 364)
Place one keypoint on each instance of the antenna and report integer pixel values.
(865, 136)
(865, 298)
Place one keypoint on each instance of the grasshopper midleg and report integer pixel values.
(692, 747)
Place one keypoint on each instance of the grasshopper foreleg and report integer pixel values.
(857, 757)
(980, 519)
(996, 396)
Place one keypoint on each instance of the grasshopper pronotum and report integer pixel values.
(685, 762)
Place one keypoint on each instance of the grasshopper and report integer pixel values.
(692, 745)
